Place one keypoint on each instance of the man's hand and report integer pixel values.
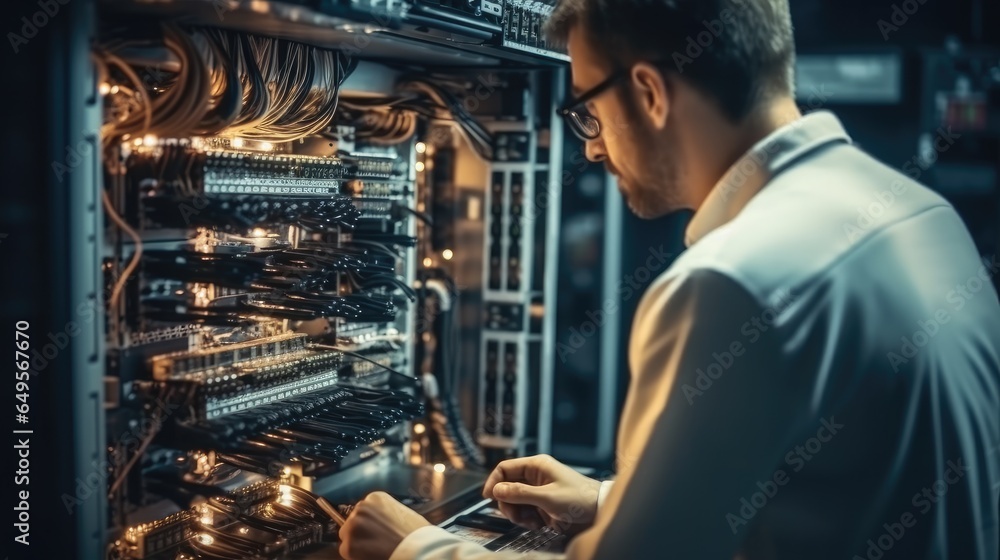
(376, 527)
(536, 491)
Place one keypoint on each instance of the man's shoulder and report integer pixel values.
(823, 211)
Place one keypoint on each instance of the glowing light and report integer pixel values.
(420, 147)
(115, 89)
(428, 261)
(104, 88)
(206, 520)
(137, 141)
(266, 146)
(149, 140)
(419, 428)
(447, 254)
(244, 530)
(439, 467)
(419, 166)
(287, 471)
(237, 142)
(205, 538)
(259, 232)
(286, 494)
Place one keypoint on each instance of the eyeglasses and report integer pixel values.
(574, 112)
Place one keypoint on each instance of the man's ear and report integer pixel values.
(653, 93)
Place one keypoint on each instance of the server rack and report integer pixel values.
(102, 370)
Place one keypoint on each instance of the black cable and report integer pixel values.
(413, 380)
(422, 216)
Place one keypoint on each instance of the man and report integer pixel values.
(817, 376)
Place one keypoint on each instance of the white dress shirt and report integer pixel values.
(817, 376)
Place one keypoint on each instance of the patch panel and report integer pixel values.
(378, 209)
(505, 317)
(495, 230)
(508, 241)
(366, 165)
(374, 189)
(515, 232)
(512, 146)
(235, 172)
(202, 364)
(522, 24)
(509, 389)
(491, 413)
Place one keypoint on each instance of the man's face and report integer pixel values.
(638, 155)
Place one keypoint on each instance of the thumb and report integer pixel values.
(517, 493)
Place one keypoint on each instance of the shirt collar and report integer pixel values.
(758, 166)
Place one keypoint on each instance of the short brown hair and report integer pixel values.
(739, 52)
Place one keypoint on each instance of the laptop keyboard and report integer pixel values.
(531, 540)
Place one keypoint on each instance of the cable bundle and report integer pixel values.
(257, 87)
(319, 426)
(297, 284)
(389, 119)
(380, 125)
(445, 413)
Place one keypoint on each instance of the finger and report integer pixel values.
(546, 518)
(526, 494)
(379, 497)
(531, 518)
(344, 548)
(525, 516)
(523, 469)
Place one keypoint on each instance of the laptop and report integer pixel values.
(486, 525)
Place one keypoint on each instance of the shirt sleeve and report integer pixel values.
(713, 419)
(702, 435)
(602, 494)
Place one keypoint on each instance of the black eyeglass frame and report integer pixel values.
(575, 120)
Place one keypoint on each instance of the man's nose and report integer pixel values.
(595, 150)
